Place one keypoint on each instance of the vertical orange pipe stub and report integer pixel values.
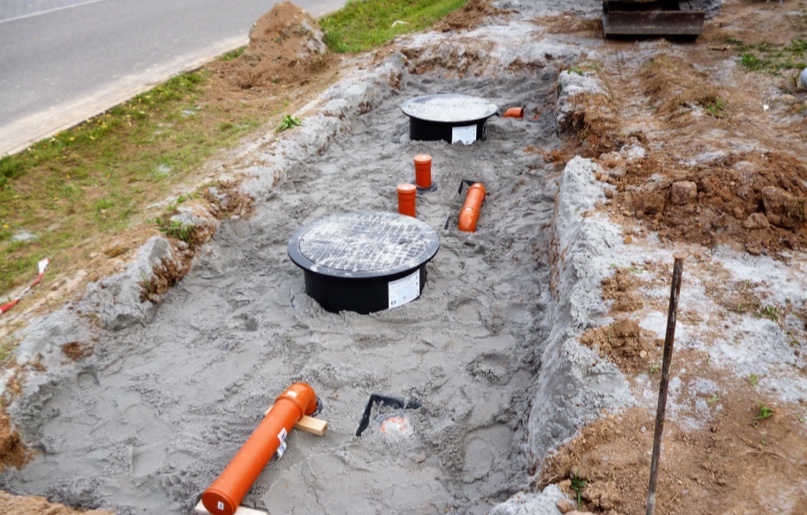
(423, 171)
(469, 214)
(226, 492)
(514, 112)
(406, 199)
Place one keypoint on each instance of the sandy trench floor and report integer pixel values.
(149, 421)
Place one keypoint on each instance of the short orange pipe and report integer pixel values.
(514, 112)
(469, 214)
(423, 171)
(226, 492)
(407, 194)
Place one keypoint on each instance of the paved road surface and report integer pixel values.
(62, 61)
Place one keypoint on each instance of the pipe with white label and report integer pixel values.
(226, 492)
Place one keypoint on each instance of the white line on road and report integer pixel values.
(31, 15)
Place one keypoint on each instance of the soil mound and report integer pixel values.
(285, 47)
(15, 505)
(469, 16)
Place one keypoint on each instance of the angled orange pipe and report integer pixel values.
(514, 112)
(226, 492)
(469, 214)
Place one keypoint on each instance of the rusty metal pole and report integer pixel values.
(669, 338)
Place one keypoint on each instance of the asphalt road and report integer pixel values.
(63, 61)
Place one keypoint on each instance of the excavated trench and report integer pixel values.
(151, 419)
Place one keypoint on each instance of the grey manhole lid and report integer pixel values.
(363, 245)
(448, 108)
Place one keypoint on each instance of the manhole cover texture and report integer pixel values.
(449, 108)
(364, 244)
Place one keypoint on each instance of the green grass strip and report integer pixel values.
(365, 24)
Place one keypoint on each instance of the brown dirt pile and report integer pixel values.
(469, 16)
(625, 344)
(12, 450)
(15, 505)
(285, 47)
(738, 465)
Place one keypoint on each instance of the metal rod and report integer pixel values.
(669, 338)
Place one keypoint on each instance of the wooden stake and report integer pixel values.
(669, 338)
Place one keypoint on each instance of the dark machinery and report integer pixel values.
(650, 18)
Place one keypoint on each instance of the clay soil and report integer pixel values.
(660, 99)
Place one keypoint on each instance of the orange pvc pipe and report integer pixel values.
(226, 492)
(514, 112)
(407, 194)
(469, 214)
(423, 171)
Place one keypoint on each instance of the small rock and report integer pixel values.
(781, 208)
(643, 354)
(788, 99)
(628, 240)
(756, 221)
(564, 506)
(420, 458)
(683, 192)
(609, 193)
(643, 429)
(94, 255)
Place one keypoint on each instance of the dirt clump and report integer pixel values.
(285, 47)
(469, 16)
(12, 450)
(77, 350)
(626, 344)
(622, 289)
(18, 505)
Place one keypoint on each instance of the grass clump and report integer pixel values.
(288, 122)
(770, 58)
(763, 412)
(365, 24)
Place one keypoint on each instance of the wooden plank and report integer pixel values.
(200, 508)
(315, 426)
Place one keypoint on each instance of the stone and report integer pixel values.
(564, 506)
(756, 221)
(782, 208)
(683, 192)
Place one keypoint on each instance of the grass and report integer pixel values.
(770, 58)
(763, 412)
(288, 122)
(578, 485)
(92, 180)
(365, 24)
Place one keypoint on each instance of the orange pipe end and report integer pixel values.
(423, 171)
(514, 112)
(469, 214)
(226, 492)
(407, 193)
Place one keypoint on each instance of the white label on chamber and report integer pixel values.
(465, 135)
(220, 506)
(404, 290)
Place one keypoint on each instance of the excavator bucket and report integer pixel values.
(650, 18)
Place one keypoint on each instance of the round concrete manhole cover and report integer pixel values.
(365, 261)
